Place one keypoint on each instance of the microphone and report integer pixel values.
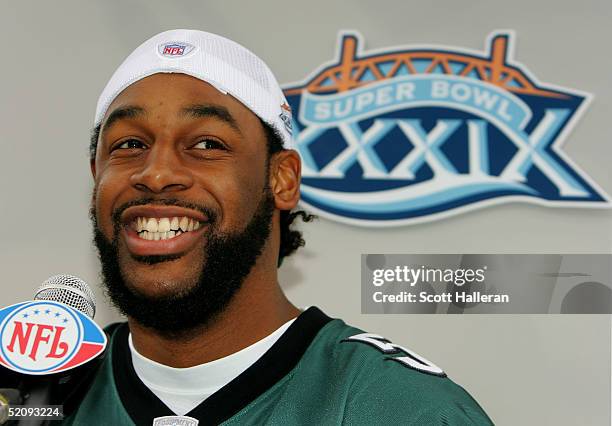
(54, 385)
(69, 290)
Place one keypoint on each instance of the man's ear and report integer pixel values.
(285, 175)
(92, 166)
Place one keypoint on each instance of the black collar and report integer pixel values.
(143, 406)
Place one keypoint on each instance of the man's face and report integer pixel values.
(174, 150)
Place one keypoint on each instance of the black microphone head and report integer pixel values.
(69, 290)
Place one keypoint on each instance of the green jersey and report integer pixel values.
(320, 372)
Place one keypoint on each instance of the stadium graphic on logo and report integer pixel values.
(415, 133)
(46, 337)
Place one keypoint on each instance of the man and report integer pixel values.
(194, 181)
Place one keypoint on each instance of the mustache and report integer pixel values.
(211, 214)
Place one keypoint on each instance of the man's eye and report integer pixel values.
(209, 144)
(130, 144)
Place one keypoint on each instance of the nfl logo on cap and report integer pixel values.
(171, 50)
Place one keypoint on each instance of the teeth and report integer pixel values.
(164, 225)
(164, 228)
(156, 236)
(151, 225)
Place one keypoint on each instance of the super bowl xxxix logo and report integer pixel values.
(413, 133)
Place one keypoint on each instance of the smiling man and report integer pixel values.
(183, 211)
(195, 178)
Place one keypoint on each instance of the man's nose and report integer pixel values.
(162, 171)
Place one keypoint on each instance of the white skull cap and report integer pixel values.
(226, 65)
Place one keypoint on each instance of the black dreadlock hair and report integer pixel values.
(290, 239)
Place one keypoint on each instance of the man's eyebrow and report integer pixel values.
(121, 113)
(205, 110)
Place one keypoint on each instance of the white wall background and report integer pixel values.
(55, 58)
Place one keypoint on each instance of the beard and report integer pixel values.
(227, 259)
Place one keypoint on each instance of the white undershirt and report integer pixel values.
(183, 389)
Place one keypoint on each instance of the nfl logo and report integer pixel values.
(174, 50)
(45, 337)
